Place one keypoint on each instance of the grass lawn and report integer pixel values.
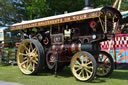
(12, 74)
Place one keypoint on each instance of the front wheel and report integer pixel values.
(83, 66)
(30, 57)
(105, 64)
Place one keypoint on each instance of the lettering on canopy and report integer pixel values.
(57, 21)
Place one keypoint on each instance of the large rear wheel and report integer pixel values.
(105, 64)
(30, 56)
(83, 66)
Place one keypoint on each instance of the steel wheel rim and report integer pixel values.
(27, 57)
(82, 67)
(104, 65)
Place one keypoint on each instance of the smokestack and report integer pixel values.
(87, 5)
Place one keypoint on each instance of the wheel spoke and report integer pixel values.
(89, 63)
(23, 54)
(80, 73)
(36, 58)
(87, 74)
(107, 70)
(29, 50)
(34, 61)
(88, 71)
(103, 70)
(103, 66)
(109, 65)
(28, 66)
(105, 59)
(33, 67)
(83, 66)
(90, 67)
(78, 69)
(31, 46)
(101, 58)
(24, 62)
(26, 52)
(83, 73)
(35, 55)
(77, 62)
(34, 50)
(28, 55)
(25, 58)
(25, 47)
(76, 66)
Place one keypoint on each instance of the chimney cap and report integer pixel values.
(87, 5)
(86, 8)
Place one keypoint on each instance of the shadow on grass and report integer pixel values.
(120, 74)
(97, 80)
(117, 74)
(64, 73)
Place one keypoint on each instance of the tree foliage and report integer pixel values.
(5, 13)
(59, 6)
(44, 8)
(35, 8)
(124, 5)
(12, 11)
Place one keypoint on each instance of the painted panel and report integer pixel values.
(127, 56)
(120, 46)
(120, 56)
(112, 54)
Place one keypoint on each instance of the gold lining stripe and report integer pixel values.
(53, 47)
(62, 46)
(73, 48)
(57, 21)
(101, 24)
(79, 47)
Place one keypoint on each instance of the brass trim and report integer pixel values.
(57, 21)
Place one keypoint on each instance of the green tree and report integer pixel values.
(101, 3)
(35, 8)
(5, 13)
(11, 12)
(124, 5)
(59, 6)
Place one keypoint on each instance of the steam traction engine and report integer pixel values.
(73, 38)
